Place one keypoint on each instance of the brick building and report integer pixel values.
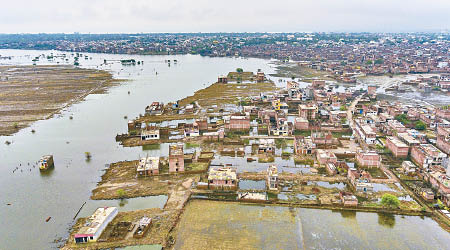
(176, 158)
(397, 147)
(368, 158)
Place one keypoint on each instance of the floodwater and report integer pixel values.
(229, 225)
(96, 121)
(411, 97)
(325, 184)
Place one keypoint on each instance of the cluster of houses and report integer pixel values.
(395, 127)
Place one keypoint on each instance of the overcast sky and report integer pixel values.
(133, 16)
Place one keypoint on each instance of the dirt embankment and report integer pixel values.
(32, 93)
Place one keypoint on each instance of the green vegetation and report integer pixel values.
(192, 145)
(403, 118)
(280, 143)
(343, 108)
(285, 154)
(420, 125)
(239, 70)
(121, 193)
(389, 200)
(302, 132)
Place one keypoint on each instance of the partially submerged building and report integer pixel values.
(156, 108)
(304, 145)
(94, 225)
(150, 133)
(222, 178)
(176, 158)
(266, 146)
(46, 162)
(348, 199)
(360, 180)
(272, 177)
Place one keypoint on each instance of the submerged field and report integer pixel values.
(230, 225)
(32, 93)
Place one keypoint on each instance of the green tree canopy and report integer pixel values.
(389, 200)
(420, 125)
(239, 70)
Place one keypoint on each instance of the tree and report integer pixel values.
(121, 193)
(420, 125)
(239, 70)
(389, 200)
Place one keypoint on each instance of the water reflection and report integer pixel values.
(387, 220)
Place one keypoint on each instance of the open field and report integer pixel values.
(298, 71)
(221, 94)
(32, 93)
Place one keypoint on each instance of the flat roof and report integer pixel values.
(148, 163)
(97, 219)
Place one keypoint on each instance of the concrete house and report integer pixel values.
(427, 155)
(148, 166)
(150, 133)
(408, 167)
(368, 158)
(238, 123)
(397, 147)
(324, 157)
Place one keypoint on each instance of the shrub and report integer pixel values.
(121, 193)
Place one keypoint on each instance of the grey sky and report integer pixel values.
(119, 16)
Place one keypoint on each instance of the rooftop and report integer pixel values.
(94, 222)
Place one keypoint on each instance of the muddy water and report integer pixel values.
(411, 97)
(235, 226)
(96, 121)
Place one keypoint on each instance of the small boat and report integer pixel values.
(46, 162)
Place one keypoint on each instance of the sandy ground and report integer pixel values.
(31, 93)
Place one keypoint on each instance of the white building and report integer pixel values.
(150, 134)
(95, 224)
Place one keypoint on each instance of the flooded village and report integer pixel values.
(243, 140)
(325, 162)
